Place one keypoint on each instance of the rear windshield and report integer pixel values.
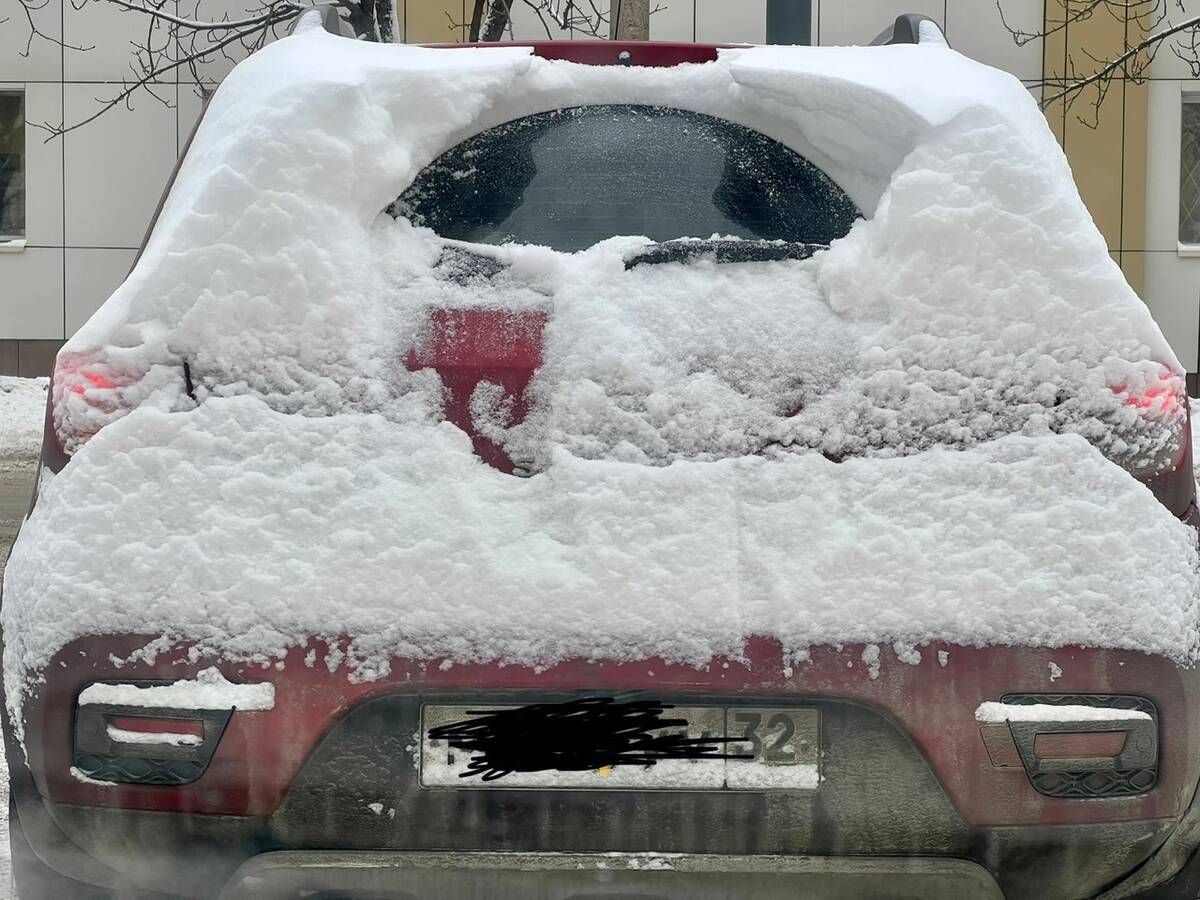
(570, 178)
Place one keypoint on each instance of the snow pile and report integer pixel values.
(660, 362)
(686, 417)
(168, 738)
(977, 298)
(208, 690)
(994, 712)
(22, 410)
(273, 527)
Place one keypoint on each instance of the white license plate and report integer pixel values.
(782, 743)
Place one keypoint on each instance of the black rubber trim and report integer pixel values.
(905, 30)
(1135, 770)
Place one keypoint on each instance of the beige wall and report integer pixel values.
(433, 21)
(1105, 145)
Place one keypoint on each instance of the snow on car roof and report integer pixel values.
(972, 326)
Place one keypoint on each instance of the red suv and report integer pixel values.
(146, 764)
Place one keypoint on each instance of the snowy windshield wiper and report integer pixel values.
(722, 251)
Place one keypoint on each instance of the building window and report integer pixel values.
(12, 164)
(1189, 171)
(789, 22)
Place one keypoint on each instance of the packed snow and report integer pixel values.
(22, 409)
(168, 738)
(905, 438)
(208, 690)
(1045, 712)
(590, 559)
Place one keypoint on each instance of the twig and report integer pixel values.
(1107, 70)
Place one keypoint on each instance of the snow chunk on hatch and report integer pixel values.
(592, 559)
(208, 690)
(993, 712)
(900, 439)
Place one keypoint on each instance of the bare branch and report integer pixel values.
(208, 26)
(1148, 27)
(1106, 72)
(539, 9)
(147, 78)
(173, 40)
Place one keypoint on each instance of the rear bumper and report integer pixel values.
(905, 776)
(550, 876)
(130, 852)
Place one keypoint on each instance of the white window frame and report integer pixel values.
(1184, 248)
(14, 243)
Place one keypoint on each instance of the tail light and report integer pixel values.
(1163, 399)
(86, 394)
(1163, 396)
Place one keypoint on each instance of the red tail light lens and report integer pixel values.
(1162, 397)
(1162, 401)
(87, 393)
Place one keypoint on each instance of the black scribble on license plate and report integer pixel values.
(579, 735)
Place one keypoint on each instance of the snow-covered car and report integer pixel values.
(611, 469)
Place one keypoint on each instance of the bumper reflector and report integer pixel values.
(1086, 757)
(1097, 745)
(144, 745)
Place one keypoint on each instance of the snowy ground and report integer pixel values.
(22, 402)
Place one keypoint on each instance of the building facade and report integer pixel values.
(73, 210)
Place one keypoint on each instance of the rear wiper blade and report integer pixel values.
(722, 251)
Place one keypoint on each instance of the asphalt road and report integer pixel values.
(16, 482)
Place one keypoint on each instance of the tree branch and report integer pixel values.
(130, 88)
(1106, 71)
(193, 25)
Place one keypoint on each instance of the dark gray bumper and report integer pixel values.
(558, 876)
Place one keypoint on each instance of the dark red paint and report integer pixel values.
(609, 53)
(469, 346)
(261, 752)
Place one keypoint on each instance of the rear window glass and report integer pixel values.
(570, 178)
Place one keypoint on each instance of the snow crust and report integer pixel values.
(86, 779)
(208, 690)
(22, 404)
(590, 559)
(1044, 712)
(170, 738)
(975, 299)
(955, 350)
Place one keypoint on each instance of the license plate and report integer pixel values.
(782, 744)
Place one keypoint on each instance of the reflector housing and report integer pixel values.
(115, 743)
(1088, 759)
